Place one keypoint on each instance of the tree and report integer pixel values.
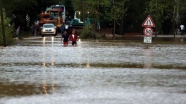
(21, 8)
(166, 12)
(105, 10)
(156, 10)
(2, 23)
(135, 15)
(117, 12)
(9, 30)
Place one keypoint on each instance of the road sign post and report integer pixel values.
(147, 39)
(148, 22)
(148, 31)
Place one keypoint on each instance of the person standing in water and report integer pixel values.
(73, 37)
(65, 37)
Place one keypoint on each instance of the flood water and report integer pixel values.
(42, 71)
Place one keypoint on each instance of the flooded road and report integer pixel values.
(40, 70)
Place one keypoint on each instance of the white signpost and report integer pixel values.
(147, 39)
(148, 31)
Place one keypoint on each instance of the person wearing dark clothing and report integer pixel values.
(62, 28)
(73, 37)
(65, 37)
(33, 29)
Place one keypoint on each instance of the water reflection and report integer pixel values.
(44, 49)
(80, 51)
(79, 41)
(43, 67)
(147, 58)
(81, 55)
(88, 64)
(88, 60)
(52, 53)
(52, 64)
(9, 89)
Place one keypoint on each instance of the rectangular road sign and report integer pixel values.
(147, 39)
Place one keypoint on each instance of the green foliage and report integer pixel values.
(156, 10)
(126, 13)
(166, 10)
(116, 10)
(20, 8)
(112, 10)
(8, 31)
(87, 32)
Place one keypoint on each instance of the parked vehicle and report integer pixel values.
(48, 29)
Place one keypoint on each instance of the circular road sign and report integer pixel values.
(148, 31)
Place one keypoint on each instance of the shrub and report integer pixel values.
(87, 32)
(8, 31)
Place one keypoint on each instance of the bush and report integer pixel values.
(8, 31)
(100, 36)
(87, 32)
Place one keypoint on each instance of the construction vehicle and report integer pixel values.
(57, 12)
(77, 24)
(54, 14)
(45, 18)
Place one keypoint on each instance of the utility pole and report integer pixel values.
(2, 23)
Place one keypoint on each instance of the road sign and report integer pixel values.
(148, 22)
(147, 39)
(148, 31)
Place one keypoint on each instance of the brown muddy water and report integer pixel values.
(40, 70)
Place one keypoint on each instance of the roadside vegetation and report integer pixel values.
(122, 16)
(87, 32)
(9, 31)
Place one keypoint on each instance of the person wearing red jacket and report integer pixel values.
(73, 37)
